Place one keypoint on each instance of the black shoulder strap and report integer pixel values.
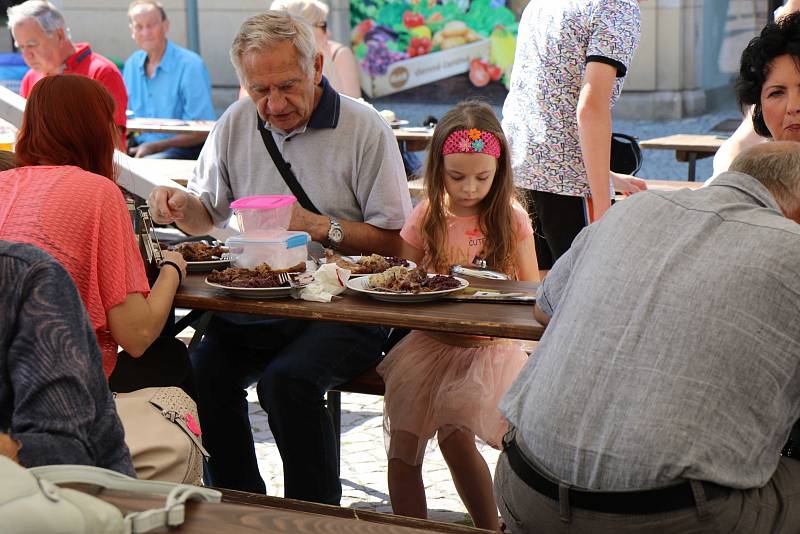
(285, 169)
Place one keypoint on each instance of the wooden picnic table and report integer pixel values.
(409, 138)
(241, 512)
(178, 170)
(413, 139)
(688, 147)
(477, 318)
(169, 126)
(417, 187)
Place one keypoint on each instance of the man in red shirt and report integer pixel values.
(41, 34)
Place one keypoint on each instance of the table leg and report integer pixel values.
(692, 165)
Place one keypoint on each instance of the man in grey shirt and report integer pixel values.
(347, 161)
(669, 375)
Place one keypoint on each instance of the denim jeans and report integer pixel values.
(294, 363)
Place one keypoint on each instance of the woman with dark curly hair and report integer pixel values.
(767, 87)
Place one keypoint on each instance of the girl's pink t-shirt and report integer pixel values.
(80, 219)
(464, 238)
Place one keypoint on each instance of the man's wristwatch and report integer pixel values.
(335, 234)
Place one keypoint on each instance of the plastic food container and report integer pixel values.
(279, 250)
(263, 212)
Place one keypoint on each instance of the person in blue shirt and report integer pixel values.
(164, 80)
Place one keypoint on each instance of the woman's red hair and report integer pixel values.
(69, 120)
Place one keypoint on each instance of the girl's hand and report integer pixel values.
(627, 184)
(177, 259)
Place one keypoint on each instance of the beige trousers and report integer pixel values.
(773, 509)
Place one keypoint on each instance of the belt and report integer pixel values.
(643, 502)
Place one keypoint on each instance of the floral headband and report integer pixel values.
(471, 141)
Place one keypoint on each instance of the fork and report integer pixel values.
(287, 278)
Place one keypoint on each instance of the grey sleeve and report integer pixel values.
(210, 181)
(63, 412)
(381, 184)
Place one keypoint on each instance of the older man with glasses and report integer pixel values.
(41, 35)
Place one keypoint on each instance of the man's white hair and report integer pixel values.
(268, 30)
(43, 12)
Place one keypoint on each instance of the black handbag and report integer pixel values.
(626, 154)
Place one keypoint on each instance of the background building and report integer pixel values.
(687, 59)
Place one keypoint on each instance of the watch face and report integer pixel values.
(336, 235)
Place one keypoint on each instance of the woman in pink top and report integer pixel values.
(63, 198)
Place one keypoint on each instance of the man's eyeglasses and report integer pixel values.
(323, 25)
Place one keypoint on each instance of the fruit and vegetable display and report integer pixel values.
(387, 31)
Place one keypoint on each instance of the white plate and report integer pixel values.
(398, 123)
(206, 266)
(411, 265)
(361, 285)
(258, 293)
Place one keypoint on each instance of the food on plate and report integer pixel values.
(374, 263)
(261, 276)
(401, 279)
(199, 251)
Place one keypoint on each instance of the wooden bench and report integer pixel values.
(241, 512)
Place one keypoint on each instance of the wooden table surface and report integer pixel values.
(477, 318)
(412, 138)
(178, 170)
(169, 126)
(417, 187)
(685, 142)
(241, 512)
(688, 147)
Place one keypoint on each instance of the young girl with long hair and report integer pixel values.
(449, 385)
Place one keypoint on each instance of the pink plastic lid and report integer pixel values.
(263, 202)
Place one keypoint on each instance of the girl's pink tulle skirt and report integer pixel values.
(436, 386)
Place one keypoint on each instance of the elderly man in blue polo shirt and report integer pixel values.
(345, 159)
(164, 80)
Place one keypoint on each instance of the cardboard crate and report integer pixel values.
(416, 71)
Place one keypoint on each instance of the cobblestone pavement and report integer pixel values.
(363, 466)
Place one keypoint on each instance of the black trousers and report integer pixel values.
(557, 220)
(165, 363)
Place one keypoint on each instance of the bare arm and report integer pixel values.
(744, 136)
(169, 204)
(138, 321)
(594, 131)
(176, 141)
(525, 260)
(346, 69)
(410, 252)
(359, 237)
